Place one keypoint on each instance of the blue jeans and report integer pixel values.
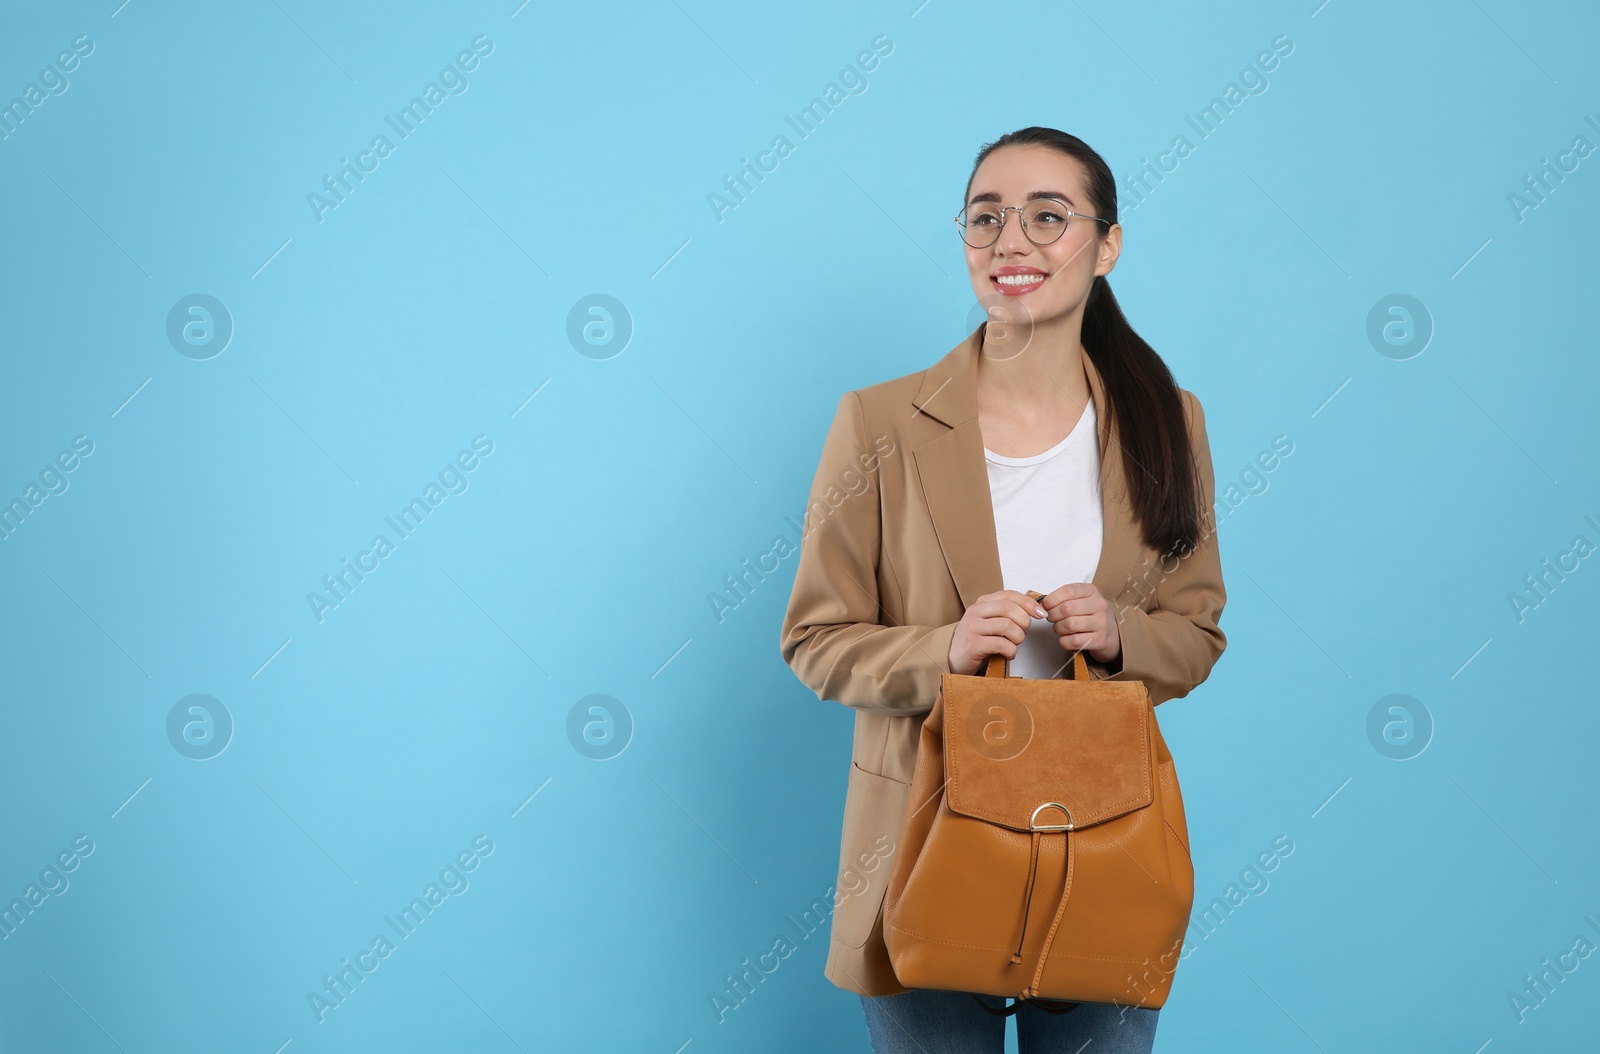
(931, 1021)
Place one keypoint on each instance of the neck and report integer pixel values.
(1033, 374)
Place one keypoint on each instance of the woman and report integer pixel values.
(1051, 451)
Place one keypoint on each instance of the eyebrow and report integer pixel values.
(992, 196)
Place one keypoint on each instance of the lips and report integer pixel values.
(1022, 280)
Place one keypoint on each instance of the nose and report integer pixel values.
(1011, 239)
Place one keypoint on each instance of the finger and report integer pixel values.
(1027, 604)
(1091, 603)
(1002, 626)
(1008, 603)
(1074, 642)
(1077, 624)
(1065, 609)
(1007, 594)
(987, 646)
(1072, 591)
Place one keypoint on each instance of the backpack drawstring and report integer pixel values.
(1027, 900)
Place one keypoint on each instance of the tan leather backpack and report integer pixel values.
(1044, 853)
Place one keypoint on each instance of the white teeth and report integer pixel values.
(1020, 279)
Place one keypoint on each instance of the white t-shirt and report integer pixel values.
(1049, 525)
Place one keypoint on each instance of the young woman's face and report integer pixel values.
(1044, 281)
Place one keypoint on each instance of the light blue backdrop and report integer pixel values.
(231, 456)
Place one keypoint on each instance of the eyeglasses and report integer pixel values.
(1043, 221)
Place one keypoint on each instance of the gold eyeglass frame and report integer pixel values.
(961, 227)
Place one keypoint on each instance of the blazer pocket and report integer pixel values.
(874, 808)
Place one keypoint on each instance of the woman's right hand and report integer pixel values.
(995, 624)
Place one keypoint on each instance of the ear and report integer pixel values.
(1110, 250)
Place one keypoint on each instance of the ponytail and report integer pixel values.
(1147, 411)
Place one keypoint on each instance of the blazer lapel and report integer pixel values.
(955, 480)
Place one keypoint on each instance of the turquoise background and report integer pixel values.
(370, 747)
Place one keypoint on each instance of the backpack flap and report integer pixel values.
(1031, 754)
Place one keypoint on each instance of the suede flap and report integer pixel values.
(1014, 744)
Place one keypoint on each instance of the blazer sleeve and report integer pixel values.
(1173, 646)
(832, 636)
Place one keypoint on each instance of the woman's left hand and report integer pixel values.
(1083, 619)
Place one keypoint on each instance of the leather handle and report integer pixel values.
(999, 666)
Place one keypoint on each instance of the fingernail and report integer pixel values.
(1038, 611)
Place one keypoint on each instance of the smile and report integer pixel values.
(1017, 284)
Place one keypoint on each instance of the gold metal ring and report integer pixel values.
(1033, 821)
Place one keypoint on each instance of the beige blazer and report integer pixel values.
(899, 539)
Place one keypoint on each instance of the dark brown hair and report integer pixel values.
(1145, 406)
